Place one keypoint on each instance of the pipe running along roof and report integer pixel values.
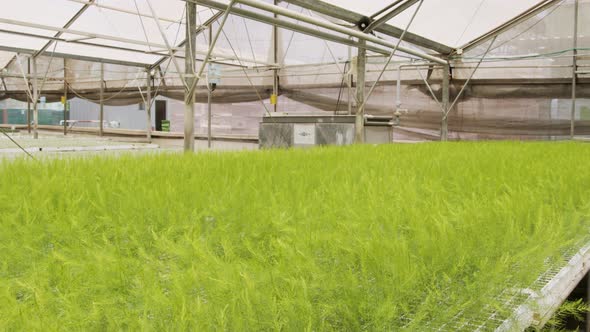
(126, 32)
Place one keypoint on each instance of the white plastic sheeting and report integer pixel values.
(450, 22)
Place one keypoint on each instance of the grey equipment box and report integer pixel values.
(285, 131)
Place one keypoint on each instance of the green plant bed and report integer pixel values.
(353, 238)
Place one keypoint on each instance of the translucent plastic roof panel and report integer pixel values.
(251, 40)
(104, 53)
(20, 42)
(134, 22)
(5, 58)
(128, 26)
(53, 13)
(450, 22)
(17, 31)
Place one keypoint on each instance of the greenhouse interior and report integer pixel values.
(295, 165)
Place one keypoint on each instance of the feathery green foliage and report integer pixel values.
(352, 238)
(574, 310)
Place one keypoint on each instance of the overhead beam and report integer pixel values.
(75, 41)
(256, 16)
(391, 14)
(73, 57)
(198, 31)
(539, 7)
(70, 22)
(79, 33)
(122, 10)
(332, 26)
(386, 29)
(106, 37)
(66, 26)
(126, 49)
(388, 7)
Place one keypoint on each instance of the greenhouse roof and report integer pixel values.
(143, 32)
(449, 22)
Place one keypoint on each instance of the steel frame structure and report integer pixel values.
(314, 5)
(279, 17)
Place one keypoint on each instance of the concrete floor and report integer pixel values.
(74, 145)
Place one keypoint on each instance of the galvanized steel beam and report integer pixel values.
(332, 26)
(391, 14)
(386, 29)
(199, 30)
(72, 56)
(290, 26)
(122, 10)
(66, 26)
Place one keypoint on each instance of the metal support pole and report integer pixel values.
(574, 74)
(189, 96)
(65, 99)
(391, 55)
(28, 98)
(211, 47)
(148, 106)
(446, 107)
(398, 89)
(35, 101)
(275, 85)
(192, 79)
(209, 96)
(444, 129)
(359, 136)
(349, 80)
(101, 115)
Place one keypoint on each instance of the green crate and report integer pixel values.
(166, 125)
